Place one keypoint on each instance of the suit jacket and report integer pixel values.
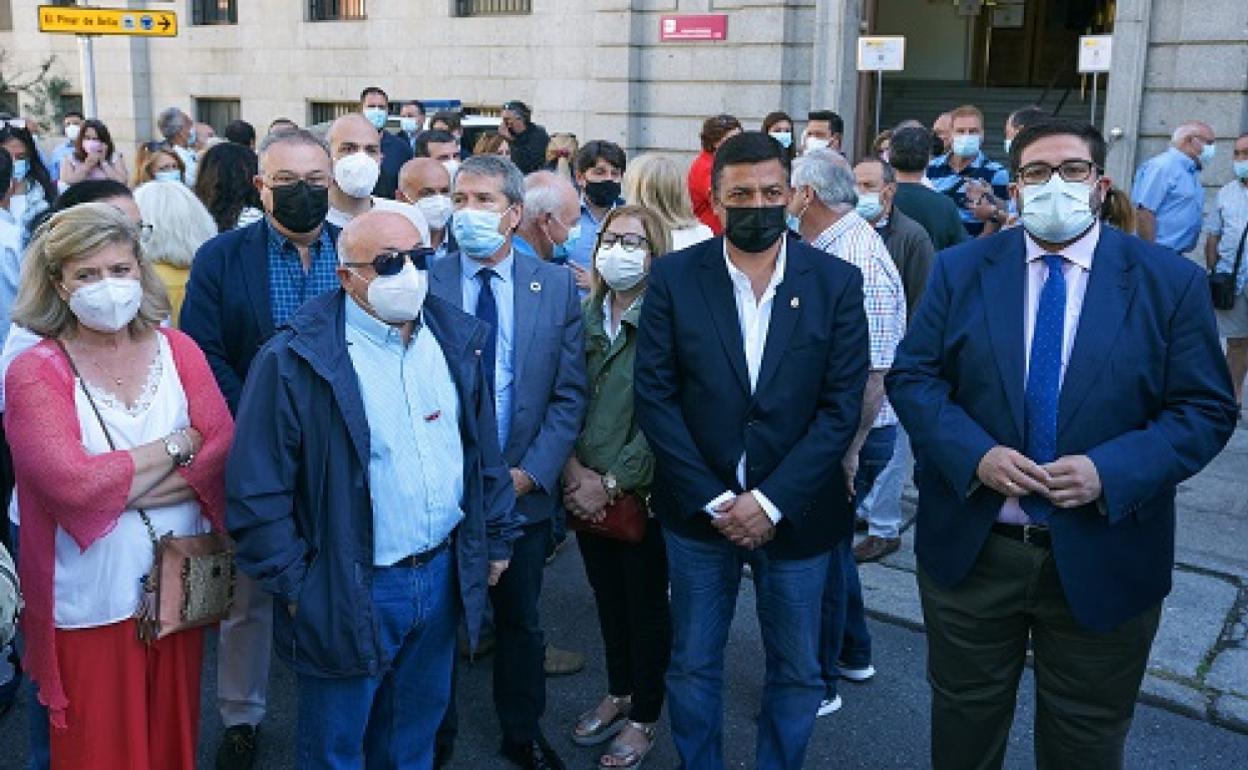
(1146, 396)
(395, 151)
(227, 309)
(551, 389)
(693, 398)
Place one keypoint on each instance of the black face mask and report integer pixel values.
(754, 230)
(602, 194)
(300, 207)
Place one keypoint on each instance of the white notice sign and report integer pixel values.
(882, 54)
(1094, 53)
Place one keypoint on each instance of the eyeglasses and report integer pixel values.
(145, 230)
(282, 179)
(630, 241)
(391, 262)
(1040, 172)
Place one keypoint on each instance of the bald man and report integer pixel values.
(368, 496)
(355, 148)
(1167, 193)
(551, 225)
(425, 183)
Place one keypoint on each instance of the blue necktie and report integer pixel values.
(487, 311)
(1044, 378)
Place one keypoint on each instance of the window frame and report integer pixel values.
(207, 13)
(333, 10)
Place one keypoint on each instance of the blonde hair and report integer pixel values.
(655, 182)
(560, 152)
(77, 232)
(149, 155)
(180, 223)
(657, 235)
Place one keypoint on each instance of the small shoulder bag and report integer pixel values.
(1222, 285)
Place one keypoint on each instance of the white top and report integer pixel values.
(339, 218)
(688, 236)
(100, 585)
(19, 340)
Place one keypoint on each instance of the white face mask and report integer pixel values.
(107, 305)
(356, 174)
(812, 143)
(437, 210)
(398, 298)
(620, 268)
(72, 131)
(451, 167)
(1057, 211)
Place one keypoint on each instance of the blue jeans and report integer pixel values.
(37, 719)
(844, 636)
(705, 578)
(388, 721)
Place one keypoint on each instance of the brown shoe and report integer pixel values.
(562, 662)
(874, 548)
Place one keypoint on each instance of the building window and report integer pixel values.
(70, 103)
(335, 10)
(492, 7)
(214, 11)
(218, 113)
(6, 14)
(9, 104)
(324, 112)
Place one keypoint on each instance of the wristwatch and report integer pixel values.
(180, 457)
(610, 484)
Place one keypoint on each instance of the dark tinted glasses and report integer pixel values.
(391, 262)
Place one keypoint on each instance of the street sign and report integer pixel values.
(1095, 53)
(77, 20)
(693, 26)
(882, 54)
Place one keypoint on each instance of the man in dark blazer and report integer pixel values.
(1058, 381)
(244, 284)
(536, 362)
(751, 363)
(395, 150)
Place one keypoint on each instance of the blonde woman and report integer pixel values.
(560, 154)
(111, 418)
(655, 182)
(178, 224)
(157, 163)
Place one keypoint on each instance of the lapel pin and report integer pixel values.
(793, 303)
(535, 287)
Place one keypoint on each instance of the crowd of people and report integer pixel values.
(397, 371)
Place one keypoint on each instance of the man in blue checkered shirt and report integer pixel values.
(977, 185)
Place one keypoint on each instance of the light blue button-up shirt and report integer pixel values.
(1169, 186)
(504, 287)
(1228, 219)
(416, 455)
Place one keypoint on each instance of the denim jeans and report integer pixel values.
(881, 507)
(705, 578)
(844, 636)
(388, 721)
(37, 719)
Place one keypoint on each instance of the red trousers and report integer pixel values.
(131, 706)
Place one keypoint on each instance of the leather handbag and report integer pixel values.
(191, 583)
(626, 520)
(1222, 285)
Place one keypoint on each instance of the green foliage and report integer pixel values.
(41, 87)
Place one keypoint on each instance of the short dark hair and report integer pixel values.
(1027, 116)
(6, 170)
(91, 191)
(283, 121)
(910, 148)
(418, 104)
(241, 132)
(748, 147)
(451, 118)
(715, 129)
(427, 138)
(835, 124)
(72, 114)
(600, 149)
(887, 172)
(373, 90)
(520, 108)
(1058, 127)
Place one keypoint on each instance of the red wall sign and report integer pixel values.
(705, 26)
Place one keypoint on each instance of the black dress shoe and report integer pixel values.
(532, 755)
(238, 748)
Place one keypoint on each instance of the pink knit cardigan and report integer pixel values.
(59, 484)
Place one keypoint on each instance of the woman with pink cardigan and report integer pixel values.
(113, 701)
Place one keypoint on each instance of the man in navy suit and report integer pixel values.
(1058, 381)
(535, 363)
(752, 359)
(244, 284)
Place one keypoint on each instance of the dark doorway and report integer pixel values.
(1035, 42)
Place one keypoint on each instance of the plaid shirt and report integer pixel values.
(852, 239)
(289, 285)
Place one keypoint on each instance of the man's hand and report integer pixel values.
(588, 499)
(1075, 481)
(744, 522)
(521, 482)
(849, 466)
(497, 568)
(1012, 474)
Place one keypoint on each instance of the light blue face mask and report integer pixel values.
(168, 175)
(1208, 153)
(191, 137)
(785, 138)
(21, 167)
(1241, 169)
(967, 145)
(476, 232)
(376, 116)
(869, 206)
(564, 250)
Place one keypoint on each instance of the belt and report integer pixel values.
(1031, 534)
(422, 558)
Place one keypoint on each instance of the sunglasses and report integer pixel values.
(391, 262)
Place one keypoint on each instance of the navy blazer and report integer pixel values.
(1146, 396)
(551, 389)
(395, 151)
(693, 398)
(298, 501)
(227, 309)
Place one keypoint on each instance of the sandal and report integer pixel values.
(622, 754)
(591, 729)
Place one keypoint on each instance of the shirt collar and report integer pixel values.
(280, 243)
(1080, 252)
(777, 275)
(504, 270)
(851, 220)
(1183, 159)
(358, 319)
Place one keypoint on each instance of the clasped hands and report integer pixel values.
(1068, 482)
(583, 492)
(743, 521)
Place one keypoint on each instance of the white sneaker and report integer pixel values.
(857, 675)
(829, 707)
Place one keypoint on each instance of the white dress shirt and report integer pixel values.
(1075, 269)
(755, 319)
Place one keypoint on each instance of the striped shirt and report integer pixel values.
(853, 239)
(289, 284)
(953, 183)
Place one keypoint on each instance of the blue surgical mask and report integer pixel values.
(869, 206)
(408, 124)
(1207, 153)
(785, 138)
(793, 222)
(168, 175)
(376, 116)
(563, 250)
(21, 167)
(191, 137)
(1241, 169)
(476, 232)
(1057, 211)
(1007, 144)
(967, 145)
